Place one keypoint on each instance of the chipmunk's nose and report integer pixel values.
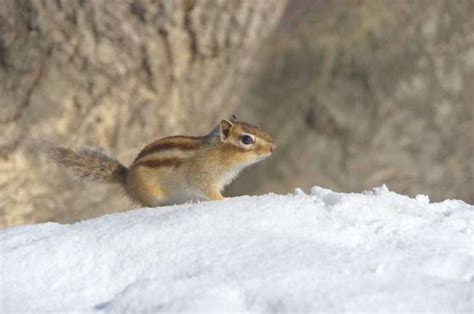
(272, 148)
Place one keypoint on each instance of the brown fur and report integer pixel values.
(158, 163)
(179, 142)
(176, 169)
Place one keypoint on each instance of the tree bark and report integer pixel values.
(112, 74)
(363, 93)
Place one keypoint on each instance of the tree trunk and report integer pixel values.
(363, 93)
(112, 74)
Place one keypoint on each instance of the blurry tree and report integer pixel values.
(361, 93)
(113, 74)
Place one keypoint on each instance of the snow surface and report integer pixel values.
(322, 251)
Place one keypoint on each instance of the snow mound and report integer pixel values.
(322, 251)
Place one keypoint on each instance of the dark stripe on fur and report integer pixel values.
(165, 145)
(159, 163)
(252, 129)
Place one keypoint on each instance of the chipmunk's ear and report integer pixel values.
(226, 125)
(234, 118)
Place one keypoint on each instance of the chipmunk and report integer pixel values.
(175, 169)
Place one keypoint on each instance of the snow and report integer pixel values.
(375, 251)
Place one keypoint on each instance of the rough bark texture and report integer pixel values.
(113, 74)
(361, 93)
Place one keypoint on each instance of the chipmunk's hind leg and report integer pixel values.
(213, 195)
(143, 187)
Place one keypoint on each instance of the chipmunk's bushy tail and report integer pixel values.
(90, 164)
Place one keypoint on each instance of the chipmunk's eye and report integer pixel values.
(246, 139)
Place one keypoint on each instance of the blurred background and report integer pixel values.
(355, 93)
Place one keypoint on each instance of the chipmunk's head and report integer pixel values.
(247, 143)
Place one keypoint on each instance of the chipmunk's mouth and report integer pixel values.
(259, 158)
(272, 148)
